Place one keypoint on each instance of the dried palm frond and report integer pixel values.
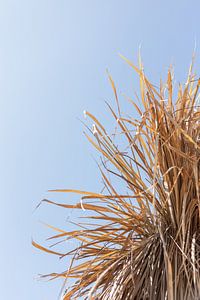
(146, 244)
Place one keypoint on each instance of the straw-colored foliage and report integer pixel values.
(144, 243)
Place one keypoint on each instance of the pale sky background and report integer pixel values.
(53, 60)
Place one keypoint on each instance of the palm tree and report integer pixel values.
(143, 243)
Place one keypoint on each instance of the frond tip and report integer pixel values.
(143, 242)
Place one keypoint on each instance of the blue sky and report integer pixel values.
(53, 60)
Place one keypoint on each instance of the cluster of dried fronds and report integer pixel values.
(146, 244)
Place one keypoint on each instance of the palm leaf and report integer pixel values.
(146, 244)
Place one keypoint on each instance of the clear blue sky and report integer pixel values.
(53, 60)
